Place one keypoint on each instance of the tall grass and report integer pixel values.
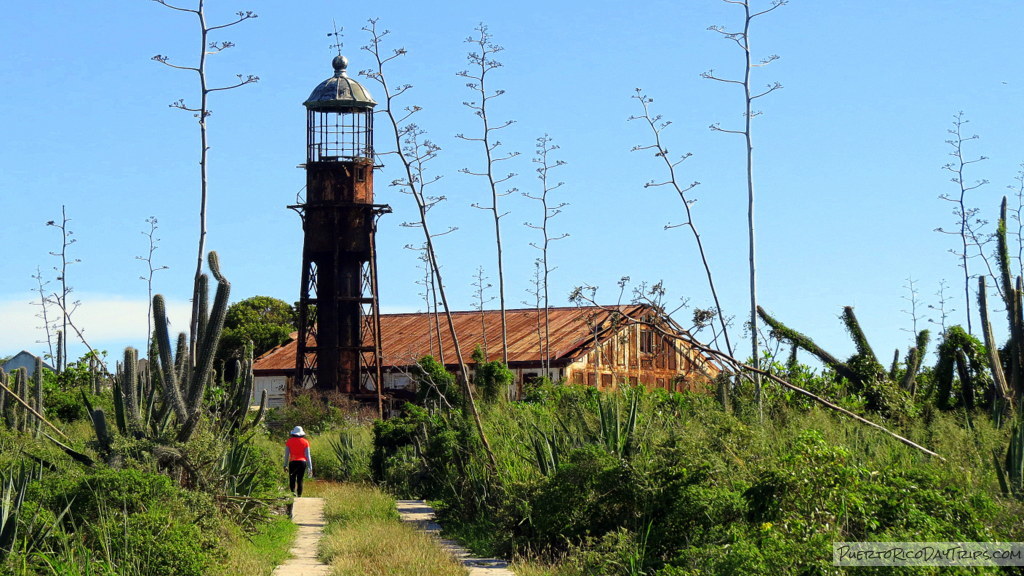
(364, 537)
(257, 554)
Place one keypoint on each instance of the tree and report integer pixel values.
(61, 299)
(44, 305)
(968, 222)
(265, 321)
(151, 270)
(480, 286)
(549, 210)
(657, 125)
(413, 150)
(742, 39)
(484, 62)
(202, 112)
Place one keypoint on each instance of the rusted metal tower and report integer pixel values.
(339, 317)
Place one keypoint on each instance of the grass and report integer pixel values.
(529, 567)
(365, 538)
(257, 554)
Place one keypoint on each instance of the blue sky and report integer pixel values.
(848, 164)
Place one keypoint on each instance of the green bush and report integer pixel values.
(158, 542)
(492, 379)
(435, 385)
(315, 413)
(134, 518)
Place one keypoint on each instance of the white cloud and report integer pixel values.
(107, 322)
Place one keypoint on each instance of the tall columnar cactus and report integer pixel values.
(11, 405)
(239, 399)
(864, 373)
(128, 386)
(61, 360)
(94, 376)
(184, 382)
(3, 396)
(38, 404)
(962, 360)
(135, 398)
(1007, 363)
(914, 357)
(162, 399)
(22, 391)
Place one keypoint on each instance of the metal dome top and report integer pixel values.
(339, 93)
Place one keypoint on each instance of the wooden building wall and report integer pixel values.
(639, 355)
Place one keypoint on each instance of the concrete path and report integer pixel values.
(418, 513)
(308, 514)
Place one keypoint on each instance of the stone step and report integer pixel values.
(308, 514)
(420, 514)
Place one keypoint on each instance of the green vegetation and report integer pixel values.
(163, 469)
(264, 321)
(257, 553)
(649, 482)
(168, 484)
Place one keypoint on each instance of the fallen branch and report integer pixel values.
(740, 367)
(32, 410)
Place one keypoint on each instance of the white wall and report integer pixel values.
(275, 387)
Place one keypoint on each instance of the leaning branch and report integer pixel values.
(32, 410)
(738, 366)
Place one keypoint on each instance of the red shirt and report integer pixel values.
(297, 447)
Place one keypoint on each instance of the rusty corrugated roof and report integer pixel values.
(407, 337)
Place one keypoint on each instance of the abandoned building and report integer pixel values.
(627, 350)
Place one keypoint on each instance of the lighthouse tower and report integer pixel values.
(339, 317)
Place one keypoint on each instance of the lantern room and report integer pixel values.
(339, 119)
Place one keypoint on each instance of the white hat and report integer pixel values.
(298, 431)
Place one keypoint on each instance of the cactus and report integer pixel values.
(3, 396)
(61, 360)
(894, 368)
(94, 375)
(185, 385)
(10, 404)
(803, 342)
(914, 357)
(864, 373)
(103, 435)
(860, 340)
(237, 402)
(21, 420)
(39, 397)
(126, 394)
(162, 400)
(1007, 364)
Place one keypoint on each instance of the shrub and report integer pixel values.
(158, 542)
(135, 518)
(315, 413)
(435, 385)
(350, 454)
(492, 379)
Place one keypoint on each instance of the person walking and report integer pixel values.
(297, 460)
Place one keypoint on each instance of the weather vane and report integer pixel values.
(339, 44)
